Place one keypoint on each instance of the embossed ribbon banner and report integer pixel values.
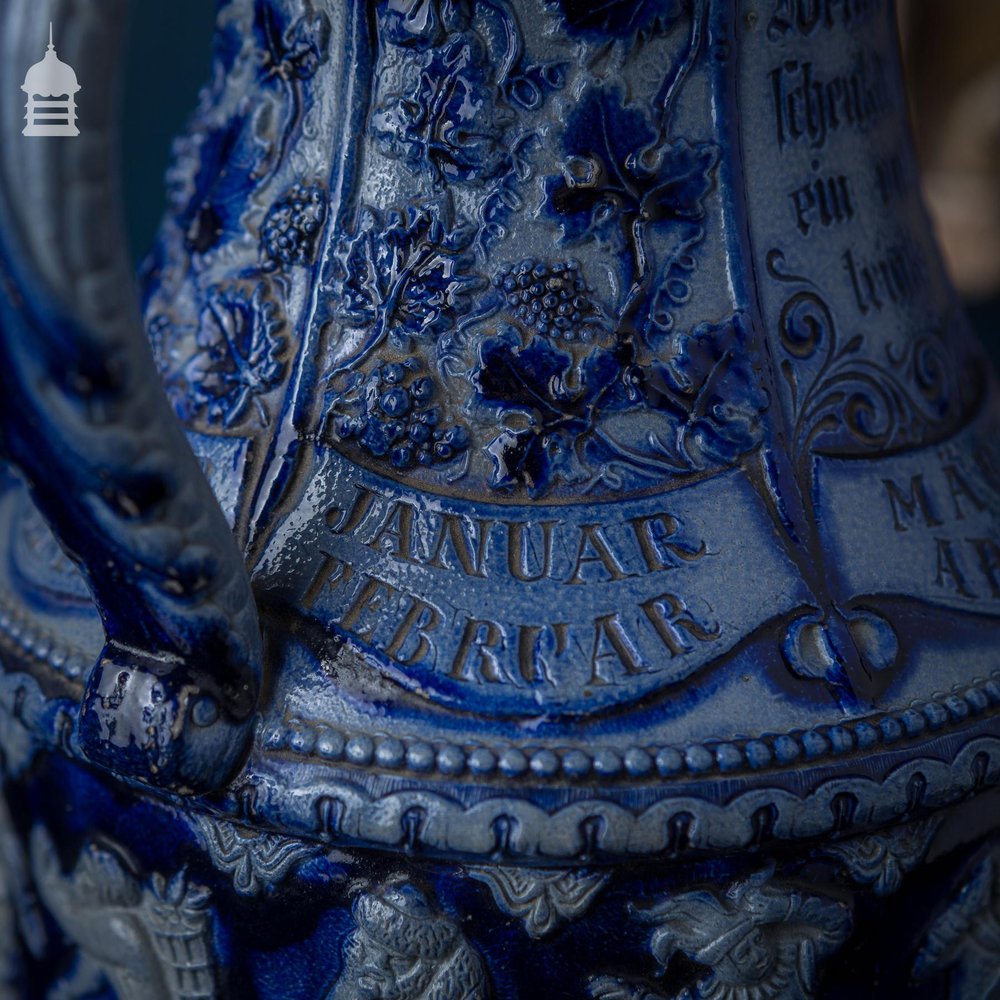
(511, 609)
(932, 511)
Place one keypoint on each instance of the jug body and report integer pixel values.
(618, 483)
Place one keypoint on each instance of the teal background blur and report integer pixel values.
(168, 62)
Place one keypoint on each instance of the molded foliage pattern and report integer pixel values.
(405, 276)
(446, 118)
(238, 357)
(622, 183)
(548, 380)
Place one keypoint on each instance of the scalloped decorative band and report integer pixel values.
(503, 826)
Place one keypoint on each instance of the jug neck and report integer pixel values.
(507, 261)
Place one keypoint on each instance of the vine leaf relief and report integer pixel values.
(644, 400)
(881, 859)
(297, 51)
(402, 276)
(231, 156)
(256, 861)
(621, 182)
(709, 387)
(238, 357)
(238, 157)
(964, 941)
(763, 939)
(559, 407)
(453, 112)
(446, 118)
(555, 406)
(541, 899)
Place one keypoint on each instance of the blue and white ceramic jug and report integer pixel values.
(564, 560)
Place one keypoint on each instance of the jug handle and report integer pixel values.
(171, 699)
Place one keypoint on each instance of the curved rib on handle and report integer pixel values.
(84, 417)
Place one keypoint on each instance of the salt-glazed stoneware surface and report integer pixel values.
(564, 561)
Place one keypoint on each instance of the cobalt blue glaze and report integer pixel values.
(599, 593)
(107, 465)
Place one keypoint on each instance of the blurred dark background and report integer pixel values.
(952, 50)
(168, 61)
(952, 53)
